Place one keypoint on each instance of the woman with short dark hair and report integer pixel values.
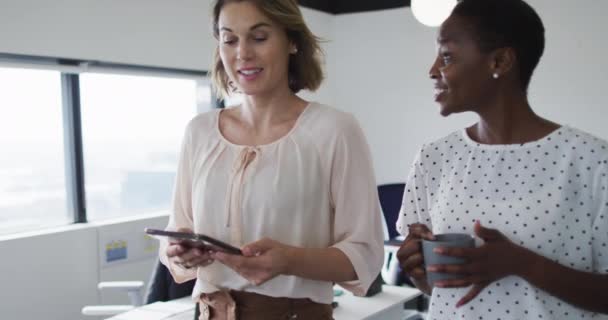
(534, 191)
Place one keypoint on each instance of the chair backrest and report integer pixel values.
(390, 200)
(162, 287)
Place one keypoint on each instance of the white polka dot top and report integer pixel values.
(549, 196)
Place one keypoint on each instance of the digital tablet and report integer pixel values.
(194, 239)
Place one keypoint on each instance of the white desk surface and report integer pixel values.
(386, 305)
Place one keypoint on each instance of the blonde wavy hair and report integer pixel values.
(304, 71)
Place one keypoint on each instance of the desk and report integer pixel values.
(386, 305)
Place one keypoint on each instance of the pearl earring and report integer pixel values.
(495, 75)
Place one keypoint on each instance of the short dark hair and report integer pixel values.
(507, 23)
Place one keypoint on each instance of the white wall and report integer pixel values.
(148, 32)
(380, 65)
(52, 275)
(322, 25)
(48, 277)
(570, 83)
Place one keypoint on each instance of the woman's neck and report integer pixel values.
(510, 120)
(266, 111)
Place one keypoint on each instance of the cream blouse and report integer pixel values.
(312, 188)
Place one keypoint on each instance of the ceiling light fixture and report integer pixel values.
(432, 13)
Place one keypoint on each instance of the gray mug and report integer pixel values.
(454, 240)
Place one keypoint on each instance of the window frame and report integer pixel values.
(70, 70)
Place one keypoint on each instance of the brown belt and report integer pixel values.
(241, 305)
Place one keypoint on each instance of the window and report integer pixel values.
(88, 140)
(132, 128)
(32, 162)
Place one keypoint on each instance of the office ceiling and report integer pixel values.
(351, 6)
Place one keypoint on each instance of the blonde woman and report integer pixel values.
(288, 181)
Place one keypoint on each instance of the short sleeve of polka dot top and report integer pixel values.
(549, 196)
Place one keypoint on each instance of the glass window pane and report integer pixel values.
(32, 167)
(132, 130)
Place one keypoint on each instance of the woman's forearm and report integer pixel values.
(329, 264)
(582, 289)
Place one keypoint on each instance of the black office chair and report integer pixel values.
(162, 287)
(390, 196)
(390, 200)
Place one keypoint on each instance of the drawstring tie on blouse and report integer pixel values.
(246, 159)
